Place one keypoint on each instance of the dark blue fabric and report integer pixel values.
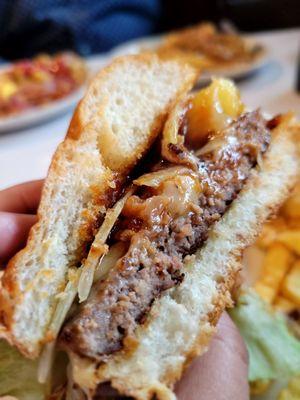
(87, 26)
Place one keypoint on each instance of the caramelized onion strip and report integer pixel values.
(154, 179)
(99, 248)
(116, 251)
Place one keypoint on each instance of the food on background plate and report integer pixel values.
(292, 391)
(264, 330)
(278, 282)
(30, 83)
(275, 255)
(152, 250)
(209, 48)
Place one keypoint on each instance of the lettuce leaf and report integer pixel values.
(18, 375)
(273, 351)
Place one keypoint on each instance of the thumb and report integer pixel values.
(222, 372)
(14, 230)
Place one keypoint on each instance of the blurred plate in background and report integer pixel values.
(36, 115)
(236, 70)
(53, 109)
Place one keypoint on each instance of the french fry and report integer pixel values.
(292, 391)
(291, 208)
(270, 232)
(267, 293)
(283, 304)
(275, 265)
(279, 281)
(291, 239)
(259, 387)
(267, 237)
(291, 284)
(294, 223)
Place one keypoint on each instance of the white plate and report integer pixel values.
(39, 114)
(36, 115)
(235, 71)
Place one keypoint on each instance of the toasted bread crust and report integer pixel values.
(11, 294)
(109, 146)
(85, 170)
(182, 322)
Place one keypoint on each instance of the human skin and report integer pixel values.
(18, 206)
(220, 374)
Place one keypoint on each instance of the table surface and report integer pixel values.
(25, 155)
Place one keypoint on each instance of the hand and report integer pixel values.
(220, 374)
(18, 206)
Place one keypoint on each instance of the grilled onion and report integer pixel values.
(99, 248)
(173, 148)
(46, 362)
(115, 252)
(154, 179)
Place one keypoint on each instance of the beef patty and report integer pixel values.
(162, 225)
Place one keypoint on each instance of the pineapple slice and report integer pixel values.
(212, 109)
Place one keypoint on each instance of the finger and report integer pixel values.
(222, 372)
(14, 230)
(23, 198)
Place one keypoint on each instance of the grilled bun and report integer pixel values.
(121, 114)
(182, 321)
